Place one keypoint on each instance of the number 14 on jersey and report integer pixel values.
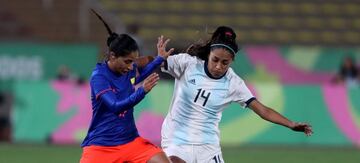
(205, 97)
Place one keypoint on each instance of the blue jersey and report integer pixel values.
(113, 99)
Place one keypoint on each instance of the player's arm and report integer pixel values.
(148, 69)
(271, 115)
(162, 55)
(104, 93)
(141, 62)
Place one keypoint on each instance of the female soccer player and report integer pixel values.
(112, 136)
(204, 86)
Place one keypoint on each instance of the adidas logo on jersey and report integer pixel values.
(192, 81)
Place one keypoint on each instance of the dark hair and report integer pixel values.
(122, 44)
(223, 37)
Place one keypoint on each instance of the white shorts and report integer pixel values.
(207, 153)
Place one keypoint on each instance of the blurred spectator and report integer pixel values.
(64, 74)
(348, 73)
(5, 108)
(80, 81)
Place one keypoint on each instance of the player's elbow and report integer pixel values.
(265, 113)
(116, 107)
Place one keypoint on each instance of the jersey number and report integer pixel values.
(202, 95)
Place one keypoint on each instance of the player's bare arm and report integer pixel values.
(142, 61)
(271, 115)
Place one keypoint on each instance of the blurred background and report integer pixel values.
(300, 57)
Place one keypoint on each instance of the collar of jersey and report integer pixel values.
(208, 73)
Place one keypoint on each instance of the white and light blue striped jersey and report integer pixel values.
(198, 101)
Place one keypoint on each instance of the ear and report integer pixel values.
(112, 55)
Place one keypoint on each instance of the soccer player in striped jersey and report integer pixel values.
(204, 86)
(112, 136)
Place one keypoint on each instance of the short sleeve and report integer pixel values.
(176, 65)
(240, 93)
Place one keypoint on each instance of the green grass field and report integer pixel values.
(259, 154)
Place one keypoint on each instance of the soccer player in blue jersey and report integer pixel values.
(112, 136)
(204, 86)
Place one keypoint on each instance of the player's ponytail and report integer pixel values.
(121, 44)
(112, 35)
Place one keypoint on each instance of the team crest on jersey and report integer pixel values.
(132, 80)
(192, 81)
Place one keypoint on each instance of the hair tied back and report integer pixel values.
(112, 35)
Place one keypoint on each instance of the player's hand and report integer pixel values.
(161, 47)
(150, 82)
(302, 127)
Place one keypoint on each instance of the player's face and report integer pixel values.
(219, 62)
(124, 64)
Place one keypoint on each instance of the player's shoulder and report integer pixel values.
(186, 57)
(99, 71)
